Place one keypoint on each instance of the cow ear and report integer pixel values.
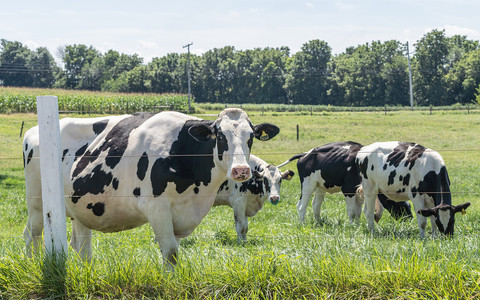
(287, 175)
(426, 212)
(257, 175)
(462, 208)
(201, 132)
(265, 131)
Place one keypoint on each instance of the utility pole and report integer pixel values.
(188, 72)
(410, 77)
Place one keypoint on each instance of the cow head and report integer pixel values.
(233, 133)
(271, 178)
(444, 215)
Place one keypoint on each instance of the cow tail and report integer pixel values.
(297, 156)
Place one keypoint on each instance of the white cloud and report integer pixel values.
(147, 45)
(469, 32)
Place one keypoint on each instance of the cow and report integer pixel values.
(408, 171)
(247, 198)
(120, 172)
(331, 168)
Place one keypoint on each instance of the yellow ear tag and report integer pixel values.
(264, 136)
(464, 211)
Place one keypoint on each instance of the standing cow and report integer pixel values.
(247, 198)
(408, 171)
(331, 168)
(121, 172)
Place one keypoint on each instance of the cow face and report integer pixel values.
(271, 179)
(444, 215)
(234, 135)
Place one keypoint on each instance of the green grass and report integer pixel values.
(282, 258)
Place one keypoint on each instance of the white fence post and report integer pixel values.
(55, 229)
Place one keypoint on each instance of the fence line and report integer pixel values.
(212, 155)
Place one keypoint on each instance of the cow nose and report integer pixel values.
(241, 173)
(274, 199)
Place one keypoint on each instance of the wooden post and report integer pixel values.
(55, 229)
(21, 129)
(298, 134)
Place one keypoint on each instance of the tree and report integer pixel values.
(307, 73)
(43, 68)
(75, 57)
(430, 67)
(13, 64)
(464, 78)
(373, 74)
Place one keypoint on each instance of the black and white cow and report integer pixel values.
(120, 172)
(331, 168)
(408, 171)
(247, 198)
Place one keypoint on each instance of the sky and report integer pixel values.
(155, 28)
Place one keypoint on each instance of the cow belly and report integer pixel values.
(189, 209)
(107, 214)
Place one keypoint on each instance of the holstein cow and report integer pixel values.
(247, 198)
(331, 168)
(408, 171)
(120, 172)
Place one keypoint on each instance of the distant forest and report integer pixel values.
(445, 71)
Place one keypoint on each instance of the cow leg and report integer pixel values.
(307, 190)
(419, 203)
(317, 203)
(34, 227)
(81, 240)
(160, 219)
(354, 207)
(241, 221)
(370, 194)
(378, 210)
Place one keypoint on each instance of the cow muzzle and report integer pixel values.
(241, 173)
(274, 199)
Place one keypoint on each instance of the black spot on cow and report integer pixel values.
(81, 151)
(436, 186)
(142, 166)
(224, 186)
(92, 183)
(253, 185)
(99, 126)
(415, 153)
(222, 144)
(406, 179)
(26, 147)
(385, 166)
(372, 167)
(363, 167)
(115, 142)
(190, 161)
(115, 183)
(65, 151)
(98, 209)
(391, 177)
(398, 154)
(196, 190)
(30, 154)
(334, 159)
(136, 192)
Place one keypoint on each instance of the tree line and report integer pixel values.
(445, 71)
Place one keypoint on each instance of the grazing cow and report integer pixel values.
(247, 198)
(408, 171)
(120, 172)
(331, 168)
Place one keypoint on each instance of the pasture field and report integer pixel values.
(282, 259)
